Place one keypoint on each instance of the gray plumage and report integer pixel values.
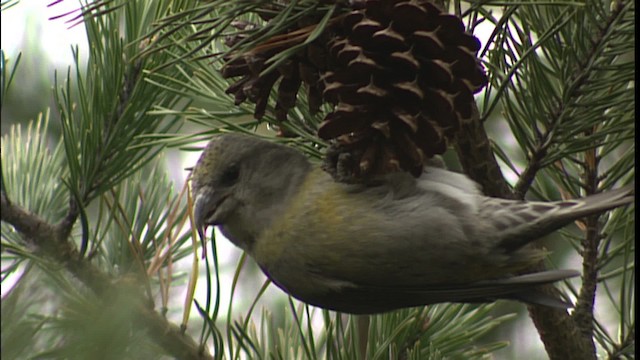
(400, 242)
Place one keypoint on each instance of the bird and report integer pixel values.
(396, 242)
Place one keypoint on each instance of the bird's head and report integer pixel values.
(240, 183)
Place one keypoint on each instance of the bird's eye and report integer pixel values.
(230, 175)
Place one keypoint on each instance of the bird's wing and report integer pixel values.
(373, 299)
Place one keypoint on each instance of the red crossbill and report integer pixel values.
(398, 242)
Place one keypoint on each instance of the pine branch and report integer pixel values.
(562, 110)
(565, 337)
(552, 133)
(51, 241)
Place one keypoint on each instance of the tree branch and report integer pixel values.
(561, 337)
(564, 336)
(51, 241)
(476, 156)
(583, 314)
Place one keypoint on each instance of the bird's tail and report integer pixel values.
(537, 219)
(534, 295)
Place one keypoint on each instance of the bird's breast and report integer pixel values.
(314, 218)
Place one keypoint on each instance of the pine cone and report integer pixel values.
(400, 73)
(402, 76)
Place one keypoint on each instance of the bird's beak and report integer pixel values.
(204, 208)
(199, 214)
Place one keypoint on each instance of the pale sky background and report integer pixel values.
(27, 23)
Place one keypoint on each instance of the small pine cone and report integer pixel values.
(402, 75)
